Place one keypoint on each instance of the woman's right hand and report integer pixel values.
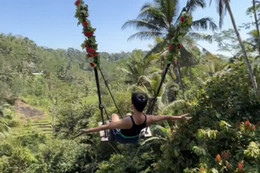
(185, 117)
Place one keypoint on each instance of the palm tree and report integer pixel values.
(137, 68)
(223, 5)
(159, 19)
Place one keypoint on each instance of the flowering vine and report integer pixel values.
(90, 41)
(180, 31)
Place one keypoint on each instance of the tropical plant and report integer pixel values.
(223, 5)
(138, 67)
(225, 99)
(160, 19)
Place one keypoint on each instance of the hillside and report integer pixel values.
(47, 96)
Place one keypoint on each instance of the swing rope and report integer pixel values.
(101, 107)
(110, 93)
(153, 100)
(93, 57)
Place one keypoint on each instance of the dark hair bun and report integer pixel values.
(139, 101)
(141, 98)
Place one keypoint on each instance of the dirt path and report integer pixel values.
(28, 112)
(33, 118)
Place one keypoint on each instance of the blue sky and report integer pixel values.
(51, 23)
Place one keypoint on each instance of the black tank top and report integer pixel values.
(135, 130)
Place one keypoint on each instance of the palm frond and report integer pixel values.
(149, 11)
(204, 23)
(145, 80)
(146, 35)
(193, 4)
(200, 36)
(125, 71)
(154, 15)
(140, 24)
(174, 105)
(157, 48)
(226, 69)
(168, 7)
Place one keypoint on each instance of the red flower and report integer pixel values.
(95, 54)
(241, 166)
(170, 47)
(88, 34)
(77, 2)
(247, 123)
(86, 45)
(84, 24)
(91, 50)
(180, 46)
(182, 19)
(218, 158)
(92, 65)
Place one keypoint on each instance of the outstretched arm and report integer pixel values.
(96, 129)
(122, 124)
(157, 118)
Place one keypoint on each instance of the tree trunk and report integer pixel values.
(257, 27)
(250, 70)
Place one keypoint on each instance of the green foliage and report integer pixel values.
(223, 135)
(72, 118)
(114, 165)
(6, 120)
(219, 137)
(36, 153)
(253, 151)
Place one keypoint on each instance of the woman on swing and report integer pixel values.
(127, 130)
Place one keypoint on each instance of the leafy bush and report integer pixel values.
(223, 133)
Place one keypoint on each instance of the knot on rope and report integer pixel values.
(101, 106)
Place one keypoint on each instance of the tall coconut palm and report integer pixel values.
(223, 5)
(159, 19)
